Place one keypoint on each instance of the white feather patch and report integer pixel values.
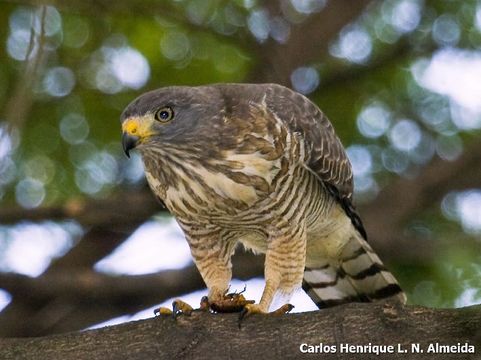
(316, 275)
(254, 164)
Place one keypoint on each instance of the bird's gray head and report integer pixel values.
(175, 115)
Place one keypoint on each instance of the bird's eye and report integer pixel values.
(164, 114)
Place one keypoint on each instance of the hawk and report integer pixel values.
(261, 165)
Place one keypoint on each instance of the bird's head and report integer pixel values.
(171, 115)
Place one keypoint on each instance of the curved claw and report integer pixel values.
(235, 294)
(250, 309)
(181, 307)
(284, 309)
(204, 304)
(162, 311)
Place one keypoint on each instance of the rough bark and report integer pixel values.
(71, 300)
(205, 336)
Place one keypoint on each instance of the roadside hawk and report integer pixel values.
(261, 165)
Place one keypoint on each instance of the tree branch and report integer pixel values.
(92, 212)
(20, 103)
(205, 336)
(76, 299)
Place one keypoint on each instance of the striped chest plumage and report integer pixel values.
(253, 191)
(225, 178)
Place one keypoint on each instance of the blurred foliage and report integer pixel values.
(88, 68)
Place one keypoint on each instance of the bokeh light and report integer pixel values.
(405, 135)
(449, 147)
(354, 45)
(446, 30)
(74, 128)
(116, 67)
(130, 67)
(258, 24)
(39, 167)
(5, 299)
(30, 192)
(76, 33)
(308, 6)
(469, 207)
(23, 21)
(96, 172)
(477, 17)
(38, 244)
(374, 120)
(18, 44)
(464, 207)
(175, 45)
(133, 170)
(305, 79)
(279, 29)
(361, 160)
(52, 22)
(405, 15)
(394, 160)
(131, 257)
(59, 81)
(6, 144)
(454, 73)
(468, 297)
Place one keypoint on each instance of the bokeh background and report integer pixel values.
(82, 241)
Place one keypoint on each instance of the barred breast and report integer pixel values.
(261, 181)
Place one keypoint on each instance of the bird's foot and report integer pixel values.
(230, 302)
(250, 309)
(178, 307)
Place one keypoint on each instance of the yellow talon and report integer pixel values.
(250, 309)
(284, 309)
(162, 311)
(204, 304)
(181, 307)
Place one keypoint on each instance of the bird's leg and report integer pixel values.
(272, 285)
(217, 273)
(212, 255)
(213, 263)
(283, 270)
(212, 258)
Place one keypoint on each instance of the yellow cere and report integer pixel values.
(138, 126)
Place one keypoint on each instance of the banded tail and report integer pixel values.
(357, 276)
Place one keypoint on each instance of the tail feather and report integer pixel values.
(357, 276)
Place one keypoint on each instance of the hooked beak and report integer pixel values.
(129, 142)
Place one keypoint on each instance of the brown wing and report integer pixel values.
(328, 160)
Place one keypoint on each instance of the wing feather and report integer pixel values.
(327, 158)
